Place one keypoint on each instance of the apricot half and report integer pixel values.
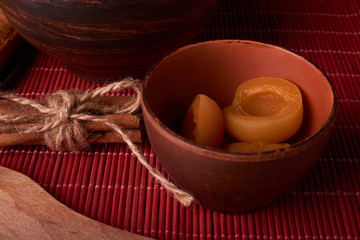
(265, 109)
(203, 122)
(245, 147)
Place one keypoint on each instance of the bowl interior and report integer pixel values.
(216, 68)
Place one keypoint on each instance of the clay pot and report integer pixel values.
(105, 40)
(220, 180)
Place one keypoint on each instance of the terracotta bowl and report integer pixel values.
(104, 40)
(220, 180)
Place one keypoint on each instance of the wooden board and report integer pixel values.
(27, 211)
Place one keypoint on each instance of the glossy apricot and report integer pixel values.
(266, 109)
(250, 147)
(203, 122)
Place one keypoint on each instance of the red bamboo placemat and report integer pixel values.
(108, 184)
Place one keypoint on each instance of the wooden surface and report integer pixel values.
(28, 212)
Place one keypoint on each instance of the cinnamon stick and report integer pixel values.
(99, 132)
(11, 107)
(10, 139)
(125, 121)
(135, 136)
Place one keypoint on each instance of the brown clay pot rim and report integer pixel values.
(226, 155)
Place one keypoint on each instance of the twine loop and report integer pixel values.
(65, 113)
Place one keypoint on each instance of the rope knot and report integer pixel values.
(66, 131)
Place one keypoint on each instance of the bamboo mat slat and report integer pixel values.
(108, 184)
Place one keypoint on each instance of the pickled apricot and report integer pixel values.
(203, 122)
(250, 147)
(265, 109)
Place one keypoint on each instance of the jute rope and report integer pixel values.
(65, 112)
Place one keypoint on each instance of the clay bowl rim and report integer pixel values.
(238, 156)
